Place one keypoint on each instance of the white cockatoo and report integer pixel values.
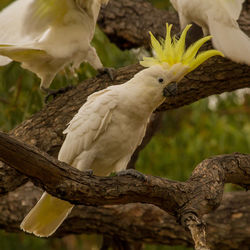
(107, 129)
(47, 35)
(218, 18)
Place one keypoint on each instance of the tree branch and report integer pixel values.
(200, 194)
(227, 227)
(197, 196)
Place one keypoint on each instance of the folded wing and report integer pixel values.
(88, 124)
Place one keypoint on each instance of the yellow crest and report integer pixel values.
(172, 51)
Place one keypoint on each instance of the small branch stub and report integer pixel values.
(197, 229)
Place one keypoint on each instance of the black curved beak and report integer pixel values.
(170, 90)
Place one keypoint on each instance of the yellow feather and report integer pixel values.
(53, 10)
(171, 51)
(168, 51)
(149, 61)
(193, 49)
(6, 45)
(202, 57)
(156, 46)
(168, 39)
(180, 45)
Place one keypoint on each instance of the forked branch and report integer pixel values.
(187, 201)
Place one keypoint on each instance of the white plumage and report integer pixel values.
(47, 35)
(103, 135)
(219, 18)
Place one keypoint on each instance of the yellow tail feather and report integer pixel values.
(46, 216)
(22, 54)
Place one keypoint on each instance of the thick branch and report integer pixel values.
(199, 195)
(227, 227)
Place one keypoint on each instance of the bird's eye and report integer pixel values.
(160, 80)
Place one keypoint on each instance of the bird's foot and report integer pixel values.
(89, 172)
(108, 71)
(55, 92)
(133, 173)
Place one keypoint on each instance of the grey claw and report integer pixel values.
(108, 71)
(133, 173)
(88, 172)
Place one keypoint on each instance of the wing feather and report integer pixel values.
(42, 14)
(22, 54)
(88, 124)
(11, 22)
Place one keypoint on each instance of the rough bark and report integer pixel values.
(199, 195)
(227, 227)
(127, 22)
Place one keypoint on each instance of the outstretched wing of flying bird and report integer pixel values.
(36, 35)
(43, 14)
(47, 13)
(11, 20)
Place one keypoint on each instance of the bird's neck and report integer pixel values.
(143, 100)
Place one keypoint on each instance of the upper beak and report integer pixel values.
(170, 89)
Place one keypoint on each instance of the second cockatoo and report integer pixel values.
(48, 35)
(219, 18)
(107, 129)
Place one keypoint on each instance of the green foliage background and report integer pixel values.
(187, 135)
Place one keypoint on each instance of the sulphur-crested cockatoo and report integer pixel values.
(219, 18)
(105, 132)
(47, 35)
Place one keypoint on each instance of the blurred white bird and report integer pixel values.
(219, 18)
(105, 132)
(47, 35)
